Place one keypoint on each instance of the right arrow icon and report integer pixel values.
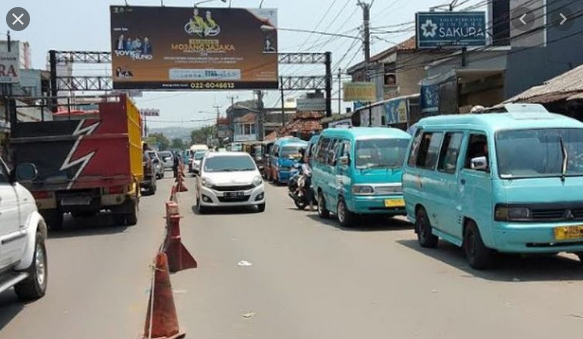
(564, 19)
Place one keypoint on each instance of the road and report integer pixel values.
(308, 279)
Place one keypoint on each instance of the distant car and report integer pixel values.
(23, 256)
(196, 160)
(227, 180)
(149, 181)
(157, 163)
(167, 159)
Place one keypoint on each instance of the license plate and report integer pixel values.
(75, 201)
(234, 194)
(569, 233)
(394, 203)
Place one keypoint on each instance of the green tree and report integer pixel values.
(161, 140)
(200, 136)
(178, 144)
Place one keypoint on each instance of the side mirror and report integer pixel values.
(479, 164)
(25, 172)
(344, 161)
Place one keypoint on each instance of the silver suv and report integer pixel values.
(23, 256)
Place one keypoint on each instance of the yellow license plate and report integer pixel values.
(394, 203)
(569, 233)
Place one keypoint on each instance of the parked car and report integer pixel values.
(285, 152)
(167, 159)
(23, 256)
(229, 179)
(149, 181)
(505, 182)
(194, 149)
(357, 171)
(157, 163)
(196, 160)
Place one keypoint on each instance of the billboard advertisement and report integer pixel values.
(360, 91)
(9, 67)
(177, 48)
(450, 29)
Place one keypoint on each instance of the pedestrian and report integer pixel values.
(176, 165)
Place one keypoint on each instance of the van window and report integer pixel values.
(429, 150)
(333, 150)
(380, 153)
(415, 148)
(322, 150)
(450, 152)
(540, 153)
(477, 147)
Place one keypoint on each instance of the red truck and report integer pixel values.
(87, 160)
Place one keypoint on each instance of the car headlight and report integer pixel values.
(362, 189)
(509, 213)
(207, 183)
(257, 181)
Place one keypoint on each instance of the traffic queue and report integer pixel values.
(508, 181)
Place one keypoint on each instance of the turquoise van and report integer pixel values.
(358, 171)
(506, 182)
(284, 153)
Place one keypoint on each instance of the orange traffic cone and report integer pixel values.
(161, 319)
(178, 256)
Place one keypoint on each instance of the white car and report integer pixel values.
(23, 256)
(229, 179)
(196, 161)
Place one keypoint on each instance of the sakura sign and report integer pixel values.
(450, 29)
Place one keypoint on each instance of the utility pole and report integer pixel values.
(261, 118)
(339, 90)
(282, 102)
(366, 45)
(329, 84)
(217, 107)
(232, 117)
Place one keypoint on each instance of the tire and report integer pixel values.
(478, 255)
(163, 174)
(423, 228)
(131, 219)
(35, 286)
(345, 217)
(323, 213)
(261, 208)
(54, 220)
(300, 204)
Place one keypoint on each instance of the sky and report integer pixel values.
(83, 25)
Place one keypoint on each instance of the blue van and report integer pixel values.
(284, 153)
(358, 171)
(506, 182)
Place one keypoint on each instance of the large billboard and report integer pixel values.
(360, 91)
(450, 29)
(175, 48)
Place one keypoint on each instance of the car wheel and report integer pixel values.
(35, 286)
(345, 217)
(478, 255)
(425, 237)
(261, 208)
(322, 211)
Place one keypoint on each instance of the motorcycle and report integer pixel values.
(297, 190)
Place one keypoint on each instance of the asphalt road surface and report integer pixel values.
(308, 279)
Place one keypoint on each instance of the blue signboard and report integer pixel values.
(450, 29)
(397, 111)
(430, 98)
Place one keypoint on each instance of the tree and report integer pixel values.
(161, 140)
(178, 144)
(200, 136)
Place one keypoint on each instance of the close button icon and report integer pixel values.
(17, 19)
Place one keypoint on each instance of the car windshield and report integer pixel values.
(380, 153)
(540, 153)
(290, 151)
(199, 155)
(237, 163)
(165, 155)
